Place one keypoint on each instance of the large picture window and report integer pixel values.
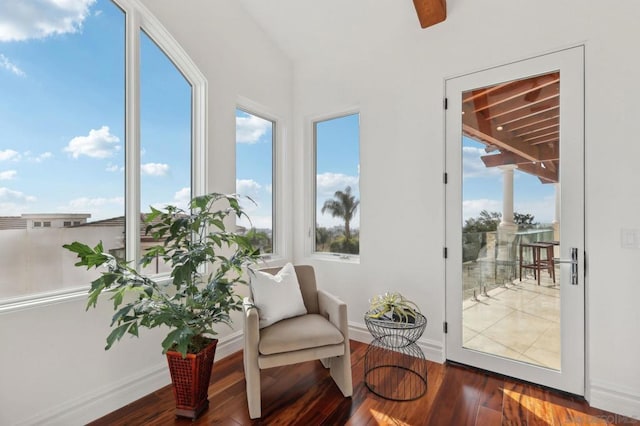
(254, 177)
(337, 190)
(70, 119)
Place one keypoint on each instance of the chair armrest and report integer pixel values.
(250, 327)
(335, 310)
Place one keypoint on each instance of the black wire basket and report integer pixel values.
(396, 334)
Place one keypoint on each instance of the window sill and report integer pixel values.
(337, 257)
(42, 299)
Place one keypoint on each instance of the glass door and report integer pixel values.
(515, 214)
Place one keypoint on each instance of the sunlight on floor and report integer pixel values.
(384, 419)
(537, 411)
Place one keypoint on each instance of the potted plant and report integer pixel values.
(206, 264)
(394, 321)
(392, 306)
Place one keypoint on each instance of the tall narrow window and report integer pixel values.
(254, 176)
(165, 136)
(337, 202)
(61, 141)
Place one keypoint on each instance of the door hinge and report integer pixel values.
(445, 178)
(445, 327)
(446, 103)
(445, 252)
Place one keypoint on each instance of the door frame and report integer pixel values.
(453, 213)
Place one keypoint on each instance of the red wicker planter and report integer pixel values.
(190, 377)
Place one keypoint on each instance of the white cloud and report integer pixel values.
(542, 209)
(14, 203)
(247, 187)
(154, 169)
(9, 154)
(255, 221)
(328, 183)
(472, 164)
(39, 158)
(472, 208)
(10, 196)
(114, 168)
(182, 198)
(8, 174)
(10, 66)
(33, 19)
(98, 144)
(99, 208)
(86, 203)
(250, 129)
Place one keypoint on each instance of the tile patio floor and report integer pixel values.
(520, 321)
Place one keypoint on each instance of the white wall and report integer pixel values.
(398, 85)
(53, 367)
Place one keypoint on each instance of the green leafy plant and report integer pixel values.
(206, 264)
(392, 306)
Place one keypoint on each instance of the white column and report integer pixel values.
(507, 228)
(507, 195)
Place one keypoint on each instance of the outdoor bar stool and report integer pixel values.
(538, 264)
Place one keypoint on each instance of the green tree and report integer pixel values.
(323, 235)
(485, 222)
(259, 239)
(344, 206)
(524, 220)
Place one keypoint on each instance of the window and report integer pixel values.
(72, 123)
(165, 137)
(254, 177)
(337, 192)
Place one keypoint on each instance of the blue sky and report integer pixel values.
(62, 126)
(62, 112)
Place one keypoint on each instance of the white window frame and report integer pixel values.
(311, 180)
(138, 18)
(280, 248)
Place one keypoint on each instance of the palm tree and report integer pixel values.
(344, 205)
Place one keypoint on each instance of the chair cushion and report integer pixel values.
(303, 332)
(277, 296)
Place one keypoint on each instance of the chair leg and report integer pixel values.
(252, 378)
(326, 362)
(341, 373)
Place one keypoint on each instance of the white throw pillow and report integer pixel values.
(277, 297)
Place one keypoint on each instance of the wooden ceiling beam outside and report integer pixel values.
(544, 174)
(518, 122)
(430, 12)
(517, 91)
(505, 158)
(517, 147)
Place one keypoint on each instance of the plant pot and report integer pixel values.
(190, 377)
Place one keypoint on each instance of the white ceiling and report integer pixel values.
(334, 27)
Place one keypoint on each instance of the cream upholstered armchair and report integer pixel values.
(319, 334)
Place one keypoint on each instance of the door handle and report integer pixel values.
(574, 264)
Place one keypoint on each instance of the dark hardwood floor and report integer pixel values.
(304, 394)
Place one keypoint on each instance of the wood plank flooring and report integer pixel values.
(304, 394)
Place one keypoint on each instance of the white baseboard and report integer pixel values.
(110, 398)
(96, 404)
(613, 398)
(433, 350)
